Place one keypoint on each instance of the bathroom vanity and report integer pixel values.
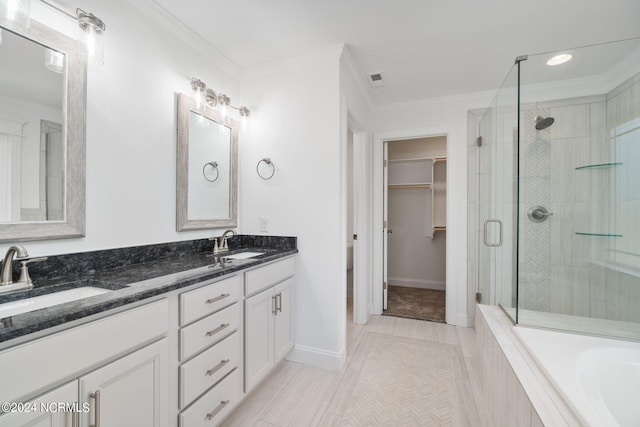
(181, 344)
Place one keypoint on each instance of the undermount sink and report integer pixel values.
(48, 300)
(243, 255)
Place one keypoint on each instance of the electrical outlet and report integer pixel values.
(264, 224)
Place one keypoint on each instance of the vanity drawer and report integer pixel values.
(209, 330)
(215, 405)
(263, 277)
(207, 368)
(203, 301)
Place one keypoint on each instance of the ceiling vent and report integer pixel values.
(375, 79)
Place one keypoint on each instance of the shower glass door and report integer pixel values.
(497, 197)
(579, 192)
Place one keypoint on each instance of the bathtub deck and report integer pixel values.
(579, 324)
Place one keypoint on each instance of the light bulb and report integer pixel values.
(18, 11)
(244, 120)
(199, 91)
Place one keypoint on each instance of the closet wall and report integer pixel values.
(416, 203)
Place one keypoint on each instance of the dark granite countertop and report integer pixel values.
(131, 283)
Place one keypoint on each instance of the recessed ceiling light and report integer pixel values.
(560, 59)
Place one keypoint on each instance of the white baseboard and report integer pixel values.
(462, 319)
(416, 283)
(327, 360)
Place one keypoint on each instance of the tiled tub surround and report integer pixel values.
(517, 392)
(134, 274)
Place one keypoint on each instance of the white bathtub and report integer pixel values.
(599, 378)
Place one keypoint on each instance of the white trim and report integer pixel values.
(186, 34)
(327, 360)
(456, 276)
(11, 126)
(357, 76)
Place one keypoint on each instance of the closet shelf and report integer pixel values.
(411, 159)
(409, 185)
(439, 228)
(599, 166)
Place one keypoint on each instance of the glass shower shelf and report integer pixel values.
(599, 234)
(599, 166)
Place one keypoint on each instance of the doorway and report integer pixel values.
(415, 217)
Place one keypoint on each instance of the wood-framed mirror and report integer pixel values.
(207, 168)
(42, 134)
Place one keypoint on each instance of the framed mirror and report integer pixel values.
(207, 169)
(42, 134)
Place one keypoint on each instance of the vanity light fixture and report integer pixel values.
(207, 97)
(559, 59)
(198, 88)
(91, 27)
(244, 119)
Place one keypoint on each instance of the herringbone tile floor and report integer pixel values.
(399, 372)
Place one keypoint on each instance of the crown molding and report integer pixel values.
(186, 34)
(347, 59)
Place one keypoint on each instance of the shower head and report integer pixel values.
(543, 122)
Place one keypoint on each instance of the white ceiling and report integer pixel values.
(424, 48)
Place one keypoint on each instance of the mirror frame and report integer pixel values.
(74, 133)
(185, 105)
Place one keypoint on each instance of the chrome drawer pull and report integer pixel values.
(279, 302)
(96, 396)
(274, 300)
(216, 411)
(218, 329)
(216, 299)
(218, 367)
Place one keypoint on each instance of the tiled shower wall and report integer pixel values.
(554, 272)
(561, 271)
(615, 285)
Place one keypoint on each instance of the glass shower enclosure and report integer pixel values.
(559, 192)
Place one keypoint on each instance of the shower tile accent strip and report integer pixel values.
(517, 391)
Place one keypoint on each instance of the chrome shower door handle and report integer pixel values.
(486, 234)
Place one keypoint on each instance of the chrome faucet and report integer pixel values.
(220, 244)
(7, 264)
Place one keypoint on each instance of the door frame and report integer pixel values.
(379, 138)
(361, 221)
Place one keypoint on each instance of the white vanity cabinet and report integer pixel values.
(127, 392)
(43, 411)
(268, 318)
(210, 353)
(104, 355)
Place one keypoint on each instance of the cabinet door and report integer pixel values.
(131, 391)
(44, 410)
(258, 337)
(283, 321)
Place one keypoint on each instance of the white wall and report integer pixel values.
(131, 127)
(296, 123)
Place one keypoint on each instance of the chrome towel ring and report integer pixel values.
(214, 165)
(267, 161)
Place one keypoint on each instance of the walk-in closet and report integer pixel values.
(416, 230)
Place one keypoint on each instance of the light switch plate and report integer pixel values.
(264, 224)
